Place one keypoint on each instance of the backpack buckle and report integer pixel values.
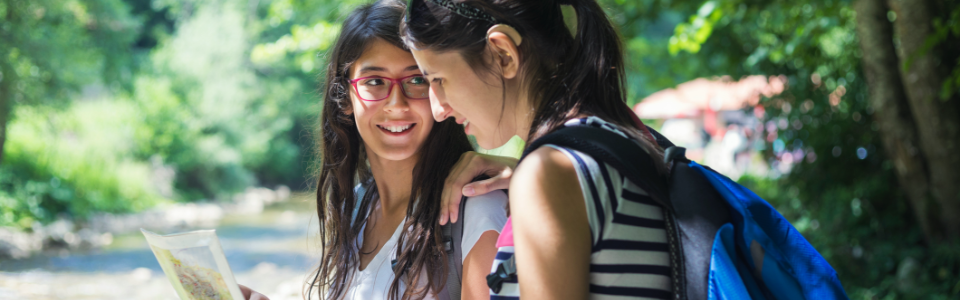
(506, 271)
(448, 245)
(675, 153)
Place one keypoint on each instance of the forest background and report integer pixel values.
(121, 105)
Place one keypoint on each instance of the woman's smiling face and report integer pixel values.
(478, 101)
(395, 127)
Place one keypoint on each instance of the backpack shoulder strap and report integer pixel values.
(624, 154)
(452, 241)
(452, 235)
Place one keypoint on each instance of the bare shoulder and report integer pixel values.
(543, 162)
(547, 174)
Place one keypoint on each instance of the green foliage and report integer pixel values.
(49, 50)
(77, 161)
(946, 35)
(224, 93)
(53, 47)
(689, 36)
(194, 103)
(210, 114)
(843, 193)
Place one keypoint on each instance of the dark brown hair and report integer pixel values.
(567, 75)
(344, 166)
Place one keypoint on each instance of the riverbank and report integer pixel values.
(98, 231)
(270, 249)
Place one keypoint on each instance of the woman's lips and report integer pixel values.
(396, 130)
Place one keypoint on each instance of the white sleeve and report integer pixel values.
(481, 214)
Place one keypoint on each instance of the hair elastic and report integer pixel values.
(465, 10)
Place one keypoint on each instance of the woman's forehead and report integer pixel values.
(381, 56)
(434, 63)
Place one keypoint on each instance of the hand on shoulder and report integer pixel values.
(471, 165)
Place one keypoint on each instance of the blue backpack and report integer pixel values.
(725, 242)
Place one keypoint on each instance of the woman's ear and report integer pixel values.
(504, 41)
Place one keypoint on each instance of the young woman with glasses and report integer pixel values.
(578, 228)
(384, 161)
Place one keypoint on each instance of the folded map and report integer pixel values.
(195, 265)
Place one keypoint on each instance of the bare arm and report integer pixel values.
(477, 265)
(551, 228)
(471, 165)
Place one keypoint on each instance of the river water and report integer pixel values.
(271, 252)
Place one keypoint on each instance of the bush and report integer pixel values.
(75, 161)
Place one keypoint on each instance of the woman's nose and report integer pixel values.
(441, 110)
(396, 101)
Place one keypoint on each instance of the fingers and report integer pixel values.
(450, 200)
(461, 174)
(481, 187)
(470, 165)
(250, 294)
(245, 291)
(454, 210)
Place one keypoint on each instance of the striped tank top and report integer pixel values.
(630, 258)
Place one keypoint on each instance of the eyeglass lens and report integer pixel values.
(415, 87)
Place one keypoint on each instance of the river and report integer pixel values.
(271, 252)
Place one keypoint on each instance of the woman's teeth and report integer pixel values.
(396, 128)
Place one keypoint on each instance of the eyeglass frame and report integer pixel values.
(394, 81)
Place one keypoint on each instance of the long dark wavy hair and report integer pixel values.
(344, 166)
(567, 75)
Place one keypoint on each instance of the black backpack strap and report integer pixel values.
(660, 139)
(452, 241)
(624, 154)
(452, 237)
(452, 234)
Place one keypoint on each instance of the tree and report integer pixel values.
(937, 118)
(851, 109)
(893, 113)
(50, 48)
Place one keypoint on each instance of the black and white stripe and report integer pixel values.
(630, 259)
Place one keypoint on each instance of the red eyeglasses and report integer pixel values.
(376, 88)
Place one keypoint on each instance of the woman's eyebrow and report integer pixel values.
(382, 69)
(371, 69)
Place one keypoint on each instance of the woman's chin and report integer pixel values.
(396, 154)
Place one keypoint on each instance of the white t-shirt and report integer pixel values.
(481, 214)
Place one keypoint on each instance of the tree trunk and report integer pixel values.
(938, 122)
(892, 111)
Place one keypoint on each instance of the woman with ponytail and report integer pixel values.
(501, 68)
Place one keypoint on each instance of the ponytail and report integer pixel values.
(593, 81)
(590, 74)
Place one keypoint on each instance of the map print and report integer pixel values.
(196, 272)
